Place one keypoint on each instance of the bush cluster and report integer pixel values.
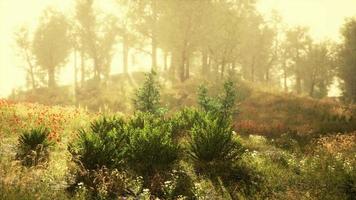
(144, 145)
(33, 147)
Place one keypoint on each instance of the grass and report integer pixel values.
(273, 167)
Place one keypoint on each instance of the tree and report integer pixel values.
(297, 43)
(148, 97)
(318, 70)
(347, 67)
(51, 45)
(97, 37)
(144, 16)
(24, 45)
(179, 33)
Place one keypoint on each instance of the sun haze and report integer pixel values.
(323, 17)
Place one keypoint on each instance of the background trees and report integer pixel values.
(185, 39)
(51, 44)
(24, 45)
(347, 67)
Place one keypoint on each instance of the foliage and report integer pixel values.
(184, 120)
(33, 147)
(104, 183)
(102, 145)
(212, 142)
(148, 97)
(329, 177)
(150, 147)
(51, 44)
(222, 106)
(180, 186)
(347, 68)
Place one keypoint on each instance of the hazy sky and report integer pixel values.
(324, 17)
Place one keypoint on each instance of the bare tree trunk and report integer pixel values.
(165, 60)
(187, 66)
(182, 67)
(312, 85)
(285, 77)
(51, 77)
(82, 68)
(154, 35)
(125, 53)
(253, 70)
(173, 65)
(222, 69)
(204, 62)
(96, 69)
(298, 83)
(31, 70)
(75, 76)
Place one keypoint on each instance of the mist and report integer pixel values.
(178, 99)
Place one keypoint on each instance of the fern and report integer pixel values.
(33, 147)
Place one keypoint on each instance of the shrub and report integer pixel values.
(326, 176)
(33, 147)
(98, 154)
(183, 121)
(179, 186)
(222, 106)
(107, 183)
(102, 145)
(148, 97)
(150, 146)
(212, 142)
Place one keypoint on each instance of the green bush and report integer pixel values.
(222, 106)
(326, 176)
(33, 147)
(148, 97)
(150, 146)
(179, 185)
(98, 154)
(102, 145)
(212, 142)
(183, 121)
(107, 183)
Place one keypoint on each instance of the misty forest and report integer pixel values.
(209, 100)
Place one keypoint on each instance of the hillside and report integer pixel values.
(305, 150)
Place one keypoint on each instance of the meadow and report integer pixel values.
(241, 143)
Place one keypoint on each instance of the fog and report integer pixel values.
(323, 20)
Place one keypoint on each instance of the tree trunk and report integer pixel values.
(154, 35)
(75, 77)
(182, 67)
(82, 68)
(31, 70)
(253, 70)
(172, 68)
(165, 60)
(285, 78)
(298, 76)
(51, 77)
(125, 53)
(312, 85)
(298, 83)
(222, 69)
(267, 75)
(187, 68)
(96, 69)
(204, 62)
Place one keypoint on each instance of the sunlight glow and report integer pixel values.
(324, 17)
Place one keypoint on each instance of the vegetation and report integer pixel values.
(236, 106)
(33, 147)
(192, 153)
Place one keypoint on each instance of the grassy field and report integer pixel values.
(294, 148)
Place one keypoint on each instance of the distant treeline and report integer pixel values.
(186, 39)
